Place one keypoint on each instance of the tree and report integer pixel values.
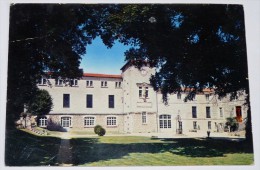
(40, 104)
(193, 46)
(45, 38)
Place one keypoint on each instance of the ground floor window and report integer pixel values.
(165, 121)
(209, 125)
(89, 121)
(43, 122)
(66, 121)
(144, 117)
(111, 121)
(195, 125)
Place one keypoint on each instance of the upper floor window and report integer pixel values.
(194, 112)
(59, 82)
(220, 112)
(89, 103)
(66, 100)
(103, 83)
(144, 118)
(118, 84)
(207, 97)
(43, 81)
(89, 83)
(178, 95)
(74, 82)
(144, 92)
(208, 112)
(111, 103)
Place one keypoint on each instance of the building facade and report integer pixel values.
(127, 103)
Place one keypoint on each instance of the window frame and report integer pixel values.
(144, 117)
(66, 104)
(43, 122)
(103, 84)
(111, 101)
(208, 112)
(69, 121)
(195, 125)
(209, 125)
(89, 83)
(89, 121)
(89, 98)
(165, 121)
(111, 121)
(194, 112)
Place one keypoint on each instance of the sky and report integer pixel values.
(100, 59)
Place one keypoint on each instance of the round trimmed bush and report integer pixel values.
(97, 129)
(101, 132)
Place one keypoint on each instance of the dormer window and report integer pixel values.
(103, 83)
(118, 84)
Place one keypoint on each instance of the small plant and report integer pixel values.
(102, 132)
(97, 129)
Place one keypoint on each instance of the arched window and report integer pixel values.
(165, 121)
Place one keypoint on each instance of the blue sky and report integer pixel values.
(100, 59)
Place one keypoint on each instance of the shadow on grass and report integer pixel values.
(23, 149)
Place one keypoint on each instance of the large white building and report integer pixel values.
(127, 103)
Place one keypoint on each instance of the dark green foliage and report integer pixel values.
(97, 129)
(232, 122)
(40, 103)
(101, 132)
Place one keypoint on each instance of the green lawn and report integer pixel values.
(23, 149)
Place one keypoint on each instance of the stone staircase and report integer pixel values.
(39, 132)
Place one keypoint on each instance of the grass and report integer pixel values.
(24, 149)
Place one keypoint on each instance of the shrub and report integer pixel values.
(101, 132)
(97, 129)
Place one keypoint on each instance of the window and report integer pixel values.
(178, 95)
(194, 112)
(144, 116)
(195, 125)
(89, 83)
(103, 83)
(207, 97)
(89, 121)
(66, 121)
(43, 81)
(111, 121)
(208, 112)
(74, 82)
(144, 92)
(165, 121)
(140, 91)
(58, 82)
(220, 112)
(66, 100)
(89, 101)
(43, 122)
(111, 103)
(238, 114)
(118, 84)
(209, 125)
